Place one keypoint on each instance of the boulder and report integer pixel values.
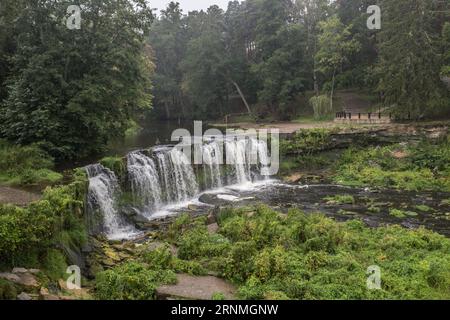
(196, 288)
(213, 228)
(19, 270)
(24, 297)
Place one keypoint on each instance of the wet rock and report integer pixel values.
(24, 297)
(293, 178)
(192, 207)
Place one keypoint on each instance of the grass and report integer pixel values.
(423, 167)
(26, 165)
(340, 199)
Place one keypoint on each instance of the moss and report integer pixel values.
(340, 199)
(115, 164)
(424, 208)
(423, 167)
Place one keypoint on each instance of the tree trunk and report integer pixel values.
(166, 105)
(242, 97)
(332, 89)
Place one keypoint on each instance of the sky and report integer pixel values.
(189, 5)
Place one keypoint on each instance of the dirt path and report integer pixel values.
(17, 197)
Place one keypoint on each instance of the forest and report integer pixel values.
(98, 203)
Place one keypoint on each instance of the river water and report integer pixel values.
(161, 181)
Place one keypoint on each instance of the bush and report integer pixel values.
(298, 256)
(7, 290)
(425, 167)
(55, 221)
(131, 281)
(26, 165)
(321, 106)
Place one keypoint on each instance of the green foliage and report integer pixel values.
(218, 296)
(115, 164)
(26, 165)
(131, 281)
(426, 167)
(322, 107)
(73, 91)
(7, 290)
(307, 142)
(55, 264)
(298, 256)
(341, 199)
(398, 213)
(411, 82)
(55, 221)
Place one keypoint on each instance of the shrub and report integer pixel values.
(26, 165)
(7, 290)
(130, 281)
(321, 106)
(298, 256)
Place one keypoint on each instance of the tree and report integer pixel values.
(335, 48)
(168, 38)
(410, 57)
(72, 91)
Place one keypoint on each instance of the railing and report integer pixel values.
(372, 116)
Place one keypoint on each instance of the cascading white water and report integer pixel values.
(237, 155)
(102, 195)
(212, 160)
(185, 182)
(165, 176)
(145, 182)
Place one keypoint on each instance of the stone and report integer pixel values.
(19, 270)
(196, 288)
(24, 279)
(113, 255)
(24, 297)
(10, 277)
(211, 219)
(213, 228)
(44, 294)
(28, 280)
(293, 178)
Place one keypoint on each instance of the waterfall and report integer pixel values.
(237, 156)
(145, 182)
(103, 215)
(212, 160)
(164, 176)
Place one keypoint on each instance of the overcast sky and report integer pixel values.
(189, 5)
